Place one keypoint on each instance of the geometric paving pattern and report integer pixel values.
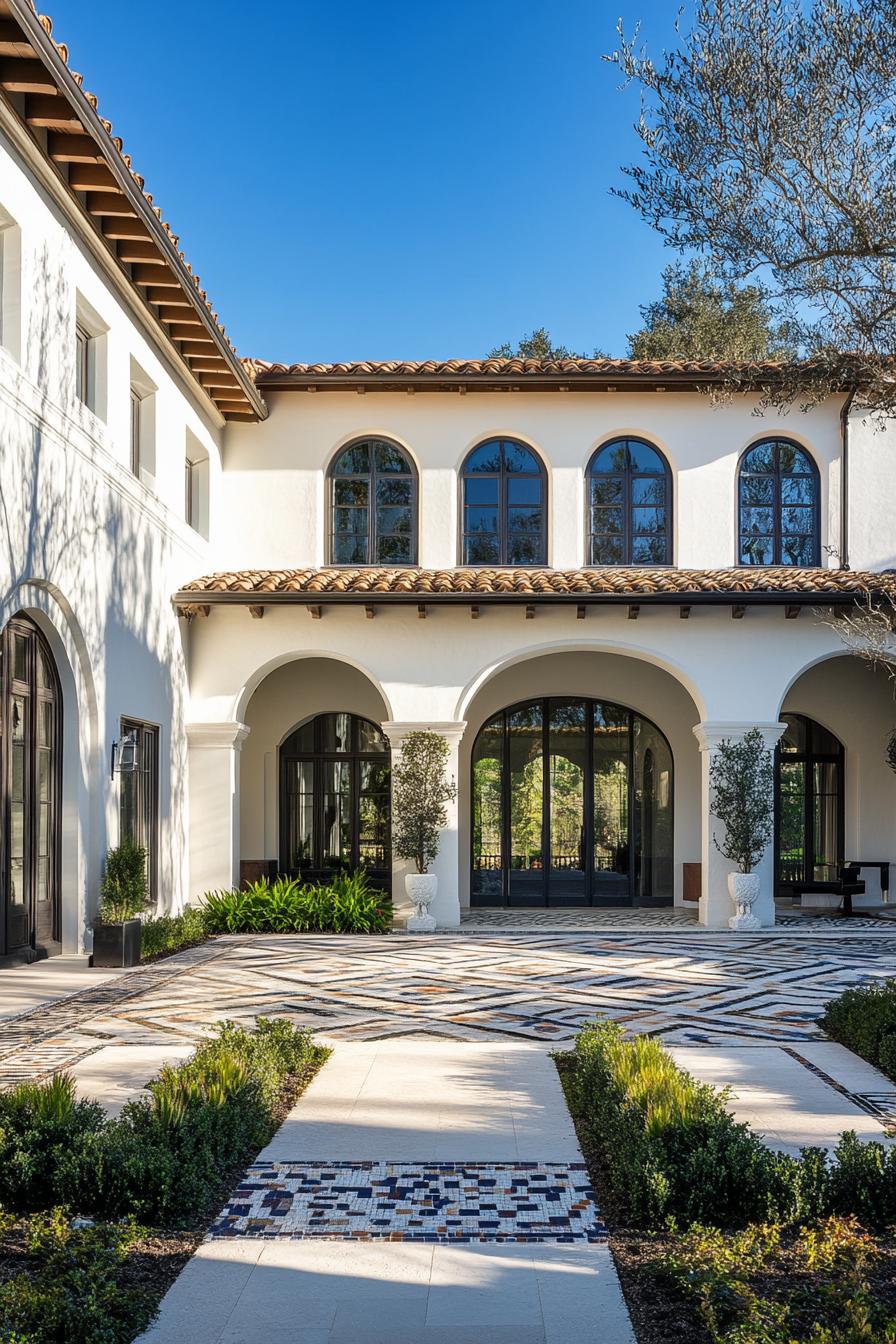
(442, 1202)
(689, 988)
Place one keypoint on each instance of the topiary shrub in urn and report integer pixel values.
(742, 780)
(421, 791)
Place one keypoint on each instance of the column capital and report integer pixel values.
(709, 735)
(396, 731)
(217, 735)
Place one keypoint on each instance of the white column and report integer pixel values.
(715, 904)
(214, 793)
(446, 907)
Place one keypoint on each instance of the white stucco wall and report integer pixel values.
(274, 485)
(92, 553)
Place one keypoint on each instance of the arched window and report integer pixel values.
(30, 775)
(373, 506)
(808, 804)
(571, 805)
(504, 505)
(778, 495)
(629, 505)
(335, 799)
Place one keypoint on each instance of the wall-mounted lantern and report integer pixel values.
(126, 755)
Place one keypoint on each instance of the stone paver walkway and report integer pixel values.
(420, 1192)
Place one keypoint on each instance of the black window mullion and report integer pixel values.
(546, 838)
(505, 809)
(588, 844)
(634, 839)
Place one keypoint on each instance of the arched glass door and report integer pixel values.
(30, 773)
(571, 805)
(335, 784)
(808, 804)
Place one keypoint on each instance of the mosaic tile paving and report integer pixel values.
(472, 921)
(690, 988)
(441, 1202)
(879, 1104)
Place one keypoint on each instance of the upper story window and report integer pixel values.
(142, 425)
(90, 357)
(196, 485)
(373, 506)
(504, 505)
(778, 505)
(10, 285)
(629, 494)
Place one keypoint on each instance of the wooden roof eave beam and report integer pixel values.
(724, 601)
(69, 111)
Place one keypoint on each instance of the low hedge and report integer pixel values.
(169, 933)
(348, 904)
(672, 1151)
(165, 1157)
(864, 1019)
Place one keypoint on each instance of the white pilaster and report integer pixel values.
(214, 771)
(715, 903)
(446, 907)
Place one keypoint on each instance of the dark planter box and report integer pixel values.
(116, 944)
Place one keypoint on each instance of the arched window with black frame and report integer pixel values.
(335, 774)
(809, 810)
(629, 505)
(373, 505)
(778, 494)
(504, 505)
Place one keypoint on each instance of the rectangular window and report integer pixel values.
(138, 801)
(10, 284)
(196, 485)
(135, 432)
(82, 365)
(90, 355)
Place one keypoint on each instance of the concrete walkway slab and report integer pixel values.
(117, 1074)
(23, 988)
(781, 1097)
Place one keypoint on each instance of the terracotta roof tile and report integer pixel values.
(267, 372)
(608, 582)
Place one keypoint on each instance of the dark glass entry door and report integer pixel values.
(808, 805)
(571, 806)
(30, 773)
(335, 784)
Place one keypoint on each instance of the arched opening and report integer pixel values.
(778, 505)
(373, 505)
(503, 505)
(335, 782)
(30, 791)
(809, 805)
(629, 495)
(572, 805)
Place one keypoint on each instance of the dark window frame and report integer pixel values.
(372, 477)
(504, 477)
(628, 475)
(591, 896)
(319, 756)
(83, 390)
(27, 689)
(809, 758)
(136, 445)
(777, 506)
(146, 803)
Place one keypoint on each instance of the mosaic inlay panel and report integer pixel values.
(414, 1201)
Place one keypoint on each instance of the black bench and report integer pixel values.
(846, 885)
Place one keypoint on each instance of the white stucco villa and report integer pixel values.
(583, 574)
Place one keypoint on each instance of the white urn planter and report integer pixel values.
(421, 891)
(743, 889)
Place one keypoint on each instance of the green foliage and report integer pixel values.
(39, 1123)
(863, 1181)
(70, 1292)
(123, 891)
(348, 904)
(742, 780)
(819, 1288)
(704, 316)
(168, 933)
(538, 345)
(864, 1019)
(420, 791)
(164, 1158)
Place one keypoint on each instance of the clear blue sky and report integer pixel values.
(380, 180)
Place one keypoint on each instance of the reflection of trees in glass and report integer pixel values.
(611, 814)
(487, 812)
(567, 797)
(526, 792)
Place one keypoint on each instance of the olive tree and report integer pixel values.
(421, 791)
(742, 781)
(769, 149)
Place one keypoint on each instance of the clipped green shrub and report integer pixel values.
(863, 1181)
(169, 933)
(864, 1019)
(164, 1158)
(123, 891)
(348, 904)
(70, 1290)
(39, 1123)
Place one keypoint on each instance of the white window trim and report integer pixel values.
(91, 326)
